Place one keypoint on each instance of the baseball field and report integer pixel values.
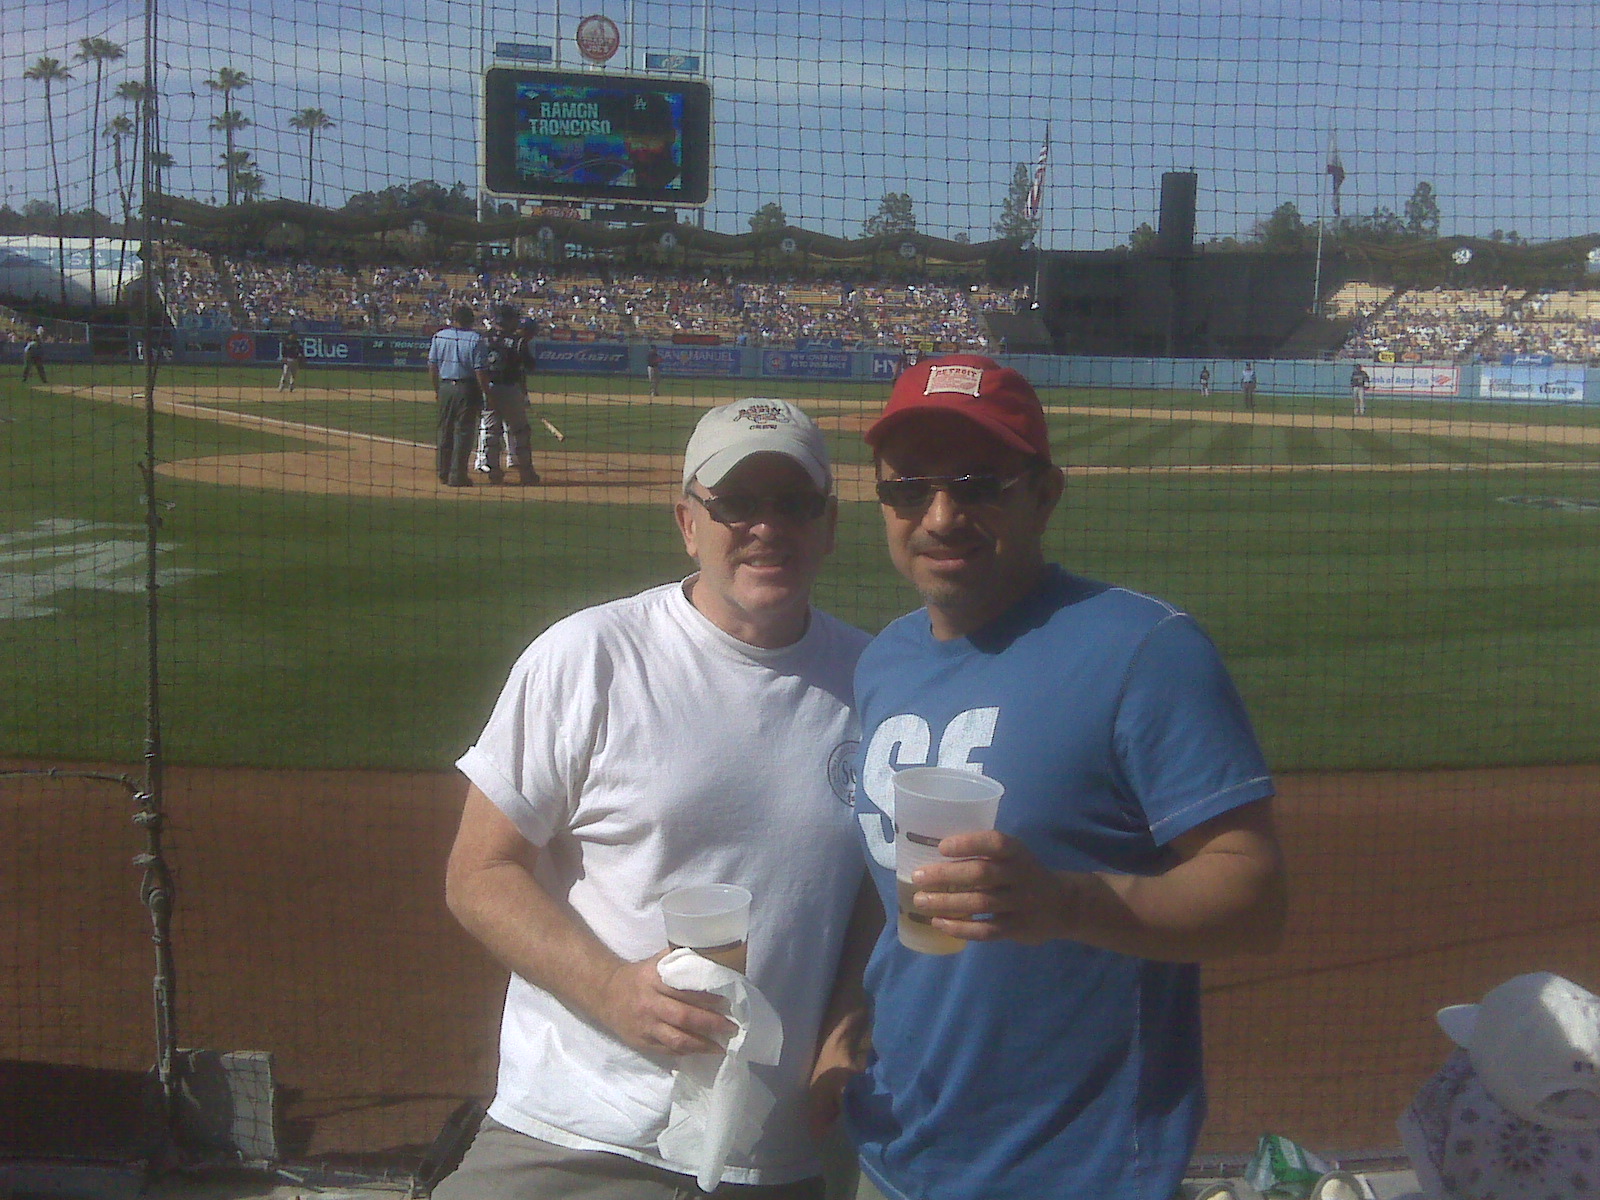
(1407, 600)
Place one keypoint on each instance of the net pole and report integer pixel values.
(156, 890)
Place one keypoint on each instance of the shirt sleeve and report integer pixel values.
(1184, 744)
(435, 351)
(533, 756)
(478, 356)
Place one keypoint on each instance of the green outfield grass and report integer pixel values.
(1373, 619)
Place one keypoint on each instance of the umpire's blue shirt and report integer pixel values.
(458, 353)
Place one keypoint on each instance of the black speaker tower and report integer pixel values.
(1176, 233)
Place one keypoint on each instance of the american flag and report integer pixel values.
(1036, 192)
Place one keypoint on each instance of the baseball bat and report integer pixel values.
(554, 432)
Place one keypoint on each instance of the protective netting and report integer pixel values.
(1133, 203)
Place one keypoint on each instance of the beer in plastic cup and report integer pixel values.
(712, 919)
(931, 804)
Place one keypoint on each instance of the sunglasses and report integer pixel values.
(738, 508)
(916, 491)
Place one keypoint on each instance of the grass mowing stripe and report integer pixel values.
(1371, 619)
(1306, 446)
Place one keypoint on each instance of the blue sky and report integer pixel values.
(827, 106)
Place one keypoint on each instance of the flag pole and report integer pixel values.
(1036, 195)
(1335, 172)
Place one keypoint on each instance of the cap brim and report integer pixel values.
(1458, 1021)
(721, 464)
(879, 429)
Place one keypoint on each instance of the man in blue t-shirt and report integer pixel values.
(1058, 1053)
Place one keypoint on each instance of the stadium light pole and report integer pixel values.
(1316, 282)
(480, 89)
(705, 73)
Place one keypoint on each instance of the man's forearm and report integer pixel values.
(848, 999)
(516, 920)
(1225, 895)
(845, 1036)
(1214, 905)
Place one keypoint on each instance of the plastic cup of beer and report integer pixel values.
(931, 804)
(712, 919)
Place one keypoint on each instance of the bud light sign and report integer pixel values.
(581, 360)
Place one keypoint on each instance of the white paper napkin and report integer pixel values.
(718, 1105)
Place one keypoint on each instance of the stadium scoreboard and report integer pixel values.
(581, 135)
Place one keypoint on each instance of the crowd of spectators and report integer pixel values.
(262, 293)
(1468, 324)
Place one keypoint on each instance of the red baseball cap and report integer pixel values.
(978, 388)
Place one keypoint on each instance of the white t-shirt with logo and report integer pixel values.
(644, 749)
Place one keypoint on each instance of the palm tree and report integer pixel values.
(245, 172)
(228, 81)
(49, 71)
(119, 127)
(228, 122)
(160, 161)
(311, 120)
(134, 93)
(249, 181)
(99, 51)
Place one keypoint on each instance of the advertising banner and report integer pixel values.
(810, 364)
(583, 360)
(397, 351)
(1398, 380)
(699, 360)
(886, 366)
(332, 348)
(1550, 385)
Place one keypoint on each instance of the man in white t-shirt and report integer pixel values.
(699, 732)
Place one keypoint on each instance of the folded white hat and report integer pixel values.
(1534, 1042)
(718, 1105)
(1465, 1145)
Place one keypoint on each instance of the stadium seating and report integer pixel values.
(262, 293)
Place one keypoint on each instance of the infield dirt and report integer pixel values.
(364, 464)
(311, 923)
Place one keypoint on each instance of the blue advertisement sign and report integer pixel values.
(885, 366)
(811, 364)
(582, 358)
(524, 52)
(687, 63)
(1527, 360)
(699, 360)
(1540, 384)
(329, 348)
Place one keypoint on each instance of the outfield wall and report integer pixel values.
(1526, 383)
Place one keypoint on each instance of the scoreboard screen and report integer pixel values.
(580, 135)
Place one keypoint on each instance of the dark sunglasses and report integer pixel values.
(739, 509)
(916, 491)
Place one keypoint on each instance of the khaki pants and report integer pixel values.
(502, 1164)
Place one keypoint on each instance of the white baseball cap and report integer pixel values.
(1535, 1043)
(728, 435)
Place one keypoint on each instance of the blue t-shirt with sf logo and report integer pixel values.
(1010, 1072)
